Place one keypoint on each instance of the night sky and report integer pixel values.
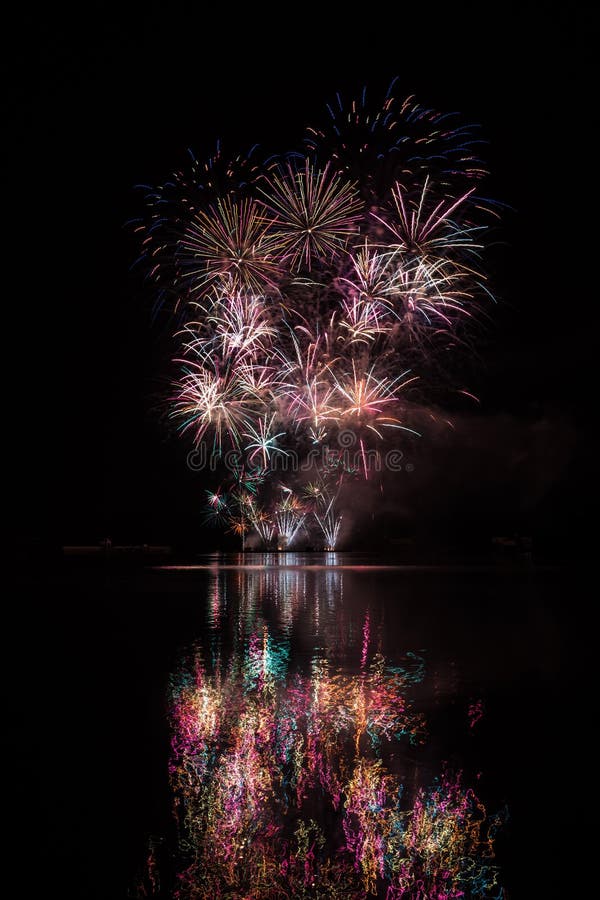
(101, 97)
(98, 104)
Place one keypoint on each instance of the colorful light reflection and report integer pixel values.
(288, 770)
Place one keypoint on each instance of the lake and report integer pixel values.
(291, 725)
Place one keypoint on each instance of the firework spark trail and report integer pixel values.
(289, 522)
(328, 520)
(330, 525)
(320, 292)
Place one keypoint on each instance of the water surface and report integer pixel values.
(283, 725)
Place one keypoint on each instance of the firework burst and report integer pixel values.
(231, 245)
(430, 228)
(365, 398)
(239, 324)
(315, 212)
(311, 293)
(398, 137)
(263, 440)
(210, 401)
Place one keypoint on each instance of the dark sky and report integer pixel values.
(98, 104)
